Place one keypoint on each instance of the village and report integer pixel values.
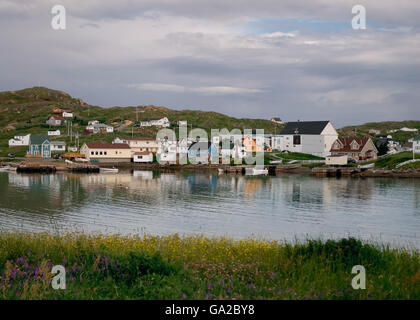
(314, 143)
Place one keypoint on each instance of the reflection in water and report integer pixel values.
(280, 207)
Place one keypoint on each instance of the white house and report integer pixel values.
(143, 157)
(20, 140)
(159, 122)
(99, 127)
(336, 160)
(312, 137)
(67, 114)
(54, 132)
(58, 146)
(168, 151)
(55, 121)
(416, 144)
(276, 120)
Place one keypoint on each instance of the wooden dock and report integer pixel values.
(335, 171)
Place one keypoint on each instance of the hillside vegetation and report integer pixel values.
(27, 110)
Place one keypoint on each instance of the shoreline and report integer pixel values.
(48, 166)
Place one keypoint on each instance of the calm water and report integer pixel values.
(283, 207)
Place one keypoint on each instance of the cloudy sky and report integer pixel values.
(268, 58)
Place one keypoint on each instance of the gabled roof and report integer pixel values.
(201, 145)
(305, 127)
(107, 145)
(39, 138)
(346, 144)
(57, 117)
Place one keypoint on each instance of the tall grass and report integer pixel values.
(173, 267)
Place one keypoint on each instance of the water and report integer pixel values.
(285, 207)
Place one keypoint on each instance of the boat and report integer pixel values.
(81, 160)
(7, 169)
(221, 171)
(108, 170)
(256, 171)
(366, 166)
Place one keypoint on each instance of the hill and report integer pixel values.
(384, 127)
(27, 110)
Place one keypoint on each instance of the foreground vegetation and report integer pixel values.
(130, 267)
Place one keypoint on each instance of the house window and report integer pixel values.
(296, 140)
(104, 153)
(92, 153)
(100, 153)
(116, 152)
(96, 152)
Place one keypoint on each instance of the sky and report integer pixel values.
(296, 60)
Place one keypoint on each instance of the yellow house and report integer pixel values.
(141, 144)
(106, 152)
(250, 145)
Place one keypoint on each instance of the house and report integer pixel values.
(106, 152)
(55, 121)
(201, 152)
(374, 131)
(39, 146)
(96, 127)
(168, 151)
(355, 148)
(276, 120)
(159, 122)
(336, 160)
(416, 144)
(311, 137)
(251, 144)
(21, 139)
(58, 146)
(53, 132)
(408, 146)
(234, 150)
(140, 144)
(67, 114)
(276, 142)
(182, 123)
(143, 157)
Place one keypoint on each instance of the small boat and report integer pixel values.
(108, 170)
(81, 160)
(256, 171)
(7, 169)
(221, 171)
(366, 166)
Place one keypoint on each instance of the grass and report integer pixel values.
(172, 267)
(390, 162)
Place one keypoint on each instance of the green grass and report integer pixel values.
(390, 162)
(118, 267)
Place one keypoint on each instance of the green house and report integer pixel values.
(39, 145)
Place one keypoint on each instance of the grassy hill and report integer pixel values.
(27, 110)
(384, 127)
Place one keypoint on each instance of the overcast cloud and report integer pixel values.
(260, 59)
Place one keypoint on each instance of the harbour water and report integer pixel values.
(285, 207)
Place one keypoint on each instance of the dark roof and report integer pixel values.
(417, 138)
(39, 138)
(201, 145)
(106, 145)
(304, 127)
